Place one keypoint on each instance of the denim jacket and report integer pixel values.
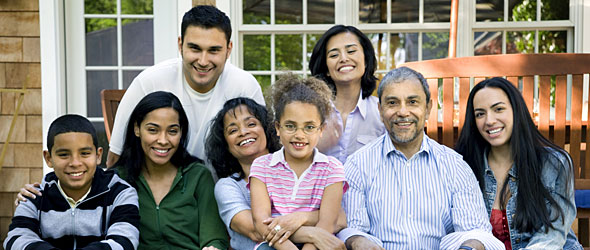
(554, 177)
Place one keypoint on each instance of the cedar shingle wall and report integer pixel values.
(19, 64)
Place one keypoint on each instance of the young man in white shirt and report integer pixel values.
(201, 79)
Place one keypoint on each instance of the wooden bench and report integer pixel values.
(525, 71)
(110, 99)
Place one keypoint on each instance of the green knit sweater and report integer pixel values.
(186, 218)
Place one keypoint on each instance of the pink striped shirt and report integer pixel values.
(290, 194)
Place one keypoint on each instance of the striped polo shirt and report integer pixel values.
(289, 193)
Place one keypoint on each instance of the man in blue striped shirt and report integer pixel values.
(407, 190)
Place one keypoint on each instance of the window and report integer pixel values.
(533, 26)
(108, 43)
(277, 36)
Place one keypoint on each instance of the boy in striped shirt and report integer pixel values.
(81, 206)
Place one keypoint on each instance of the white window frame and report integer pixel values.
(347, 13)
(55, 59)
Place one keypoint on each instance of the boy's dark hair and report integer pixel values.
(70, 123)
(208, 17)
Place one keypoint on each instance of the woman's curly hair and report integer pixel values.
(216, 147)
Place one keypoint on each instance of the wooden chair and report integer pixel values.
(110, 98)
(525, 71)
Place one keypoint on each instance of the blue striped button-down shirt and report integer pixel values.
(429, 201)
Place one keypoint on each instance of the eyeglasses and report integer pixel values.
(291, 128)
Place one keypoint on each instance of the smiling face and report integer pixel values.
(244, 134)
(493, 116)
(345, 59)
(403, 108)
(204, 52)
(74, 159)
(298, 144)
(160, 134)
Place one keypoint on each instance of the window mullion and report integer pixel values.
(272, 57)
(272, 12)
(421, 12)
(119, 47)
(304, 11)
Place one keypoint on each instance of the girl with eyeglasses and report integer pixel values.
(296, 178)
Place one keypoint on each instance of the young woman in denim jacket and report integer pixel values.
(526, 180)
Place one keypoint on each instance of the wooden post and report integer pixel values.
(453, 32)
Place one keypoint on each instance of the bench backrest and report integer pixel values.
(110, 99)
(525, 71)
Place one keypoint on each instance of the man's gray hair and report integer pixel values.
(400, 75)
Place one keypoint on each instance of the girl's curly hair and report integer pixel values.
(291, 88)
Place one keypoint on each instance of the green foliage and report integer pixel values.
(436, 42)
(549, 41)
(110, 7)
(253, 18)
(288, 50)
(256, 52)
(264, 82)
(525, 11)
(137, 6)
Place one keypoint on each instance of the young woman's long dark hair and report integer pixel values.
(528, 150)
(133, 157)
(319, 69)
(216, 148)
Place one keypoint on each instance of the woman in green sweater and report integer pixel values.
(176, 198)
(176, 201)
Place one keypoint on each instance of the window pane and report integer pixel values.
(102, 141)
(100, 7)
(138, 42)
(95, 82)
(320, 11)
(522, 10)
(256, 12)
(379, 41)
(489, 10)
(256, 52)
(555, 9)
(264, 82)
(552, 41)
(404, 11)
(373, 11)
(520, 42)
(435, 45)
(437, 11)
(101, 42)
(128, 76)
(288, 12)
(405, 48)
(379, 78)
(487, 43)
(312, 39)
(137, 6)
(288, 52)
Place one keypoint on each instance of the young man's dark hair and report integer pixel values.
(208, 17)
(70, 123)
